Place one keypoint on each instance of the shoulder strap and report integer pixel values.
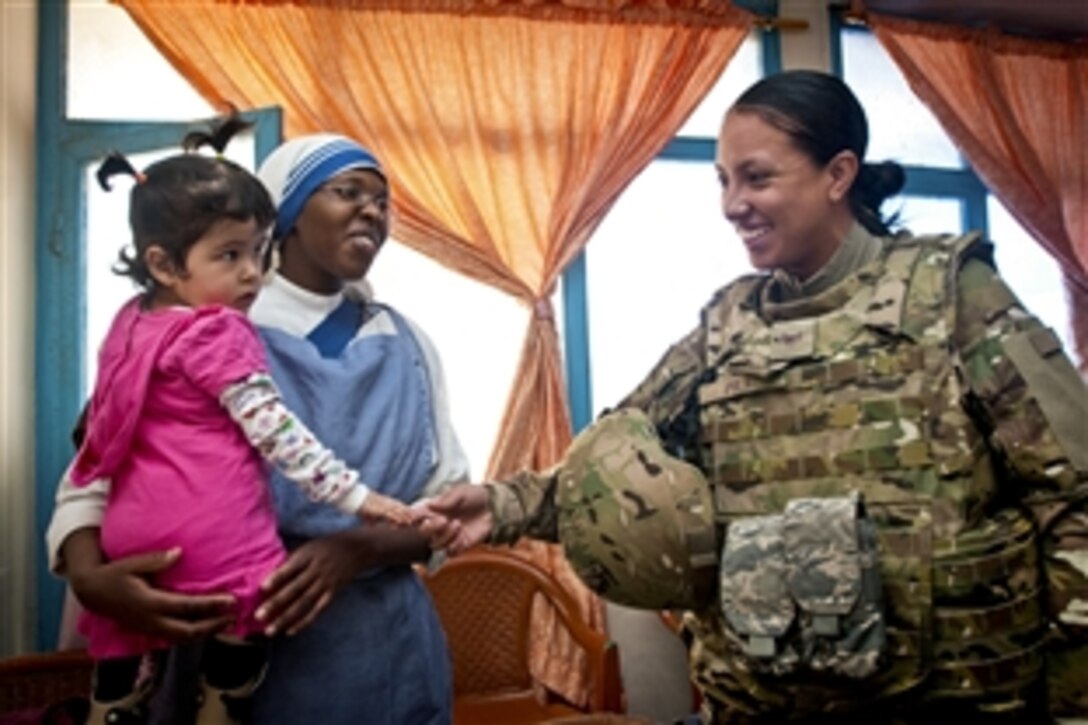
(339, 328)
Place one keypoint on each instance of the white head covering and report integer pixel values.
(298, 167)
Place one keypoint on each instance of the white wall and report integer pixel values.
(18, 34)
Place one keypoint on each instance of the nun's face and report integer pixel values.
(339, 232)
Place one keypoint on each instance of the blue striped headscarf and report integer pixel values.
(298, 167)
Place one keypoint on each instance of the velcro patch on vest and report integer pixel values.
(793, 340)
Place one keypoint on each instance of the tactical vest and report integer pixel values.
(856, 389)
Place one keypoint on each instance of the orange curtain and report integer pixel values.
(1018, 110)
(508, 128)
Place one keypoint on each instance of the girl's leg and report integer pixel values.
(231, 671)
(119, 695)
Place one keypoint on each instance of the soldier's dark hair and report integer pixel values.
(823, 117)
(176, 201)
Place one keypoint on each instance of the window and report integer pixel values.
(943, 194)
(664, 248)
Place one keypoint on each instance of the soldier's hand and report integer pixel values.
(464, 512)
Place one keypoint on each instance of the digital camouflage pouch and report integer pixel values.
(802, 589)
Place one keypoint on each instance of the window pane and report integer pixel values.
(927, 214)
(743, 70)
(1030, 271)
(653, 263)
(901, 128)
(476, 329)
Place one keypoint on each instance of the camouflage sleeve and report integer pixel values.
(1027, 395)
(668, 394)
(524, 505)
(1023, 391)
(663, 392)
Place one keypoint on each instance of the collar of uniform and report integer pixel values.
(284, 305)
(786, 297)
(858, 249)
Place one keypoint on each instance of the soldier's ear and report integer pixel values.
(841, 171)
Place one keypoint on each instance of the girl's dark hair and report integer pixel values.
(823, 117)
(177, 200)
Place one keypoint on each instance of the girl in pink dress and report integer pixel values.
(184, 418)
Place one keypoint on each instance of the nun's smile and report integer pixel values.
(340, 230)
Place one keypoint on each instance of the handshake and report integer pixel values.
(453, 521)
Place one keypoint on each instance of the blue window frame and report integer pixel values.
(942, 192)
(687, 149)
(960, 184)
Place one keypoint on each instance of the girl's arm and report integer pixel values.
(284, 441)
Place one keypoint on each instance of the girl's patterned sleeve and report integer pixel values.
(221, 353)
(283, 440)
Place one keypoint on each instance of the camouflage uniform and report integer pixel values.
(919, 380)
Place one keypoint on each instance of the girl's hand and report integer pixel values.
(378, 507)
(439, 530)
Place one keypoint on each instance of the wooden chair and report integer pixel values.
(484, 599)
(37, 680)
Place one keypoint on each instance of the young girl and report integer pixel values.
(183, 413)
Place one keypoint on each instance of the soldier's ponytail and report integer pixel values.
(875, 183)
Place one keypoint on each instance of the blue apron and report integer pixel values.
(377, 655)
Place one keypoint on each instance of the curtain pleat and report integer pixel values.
(1017, 109)
(508, 129)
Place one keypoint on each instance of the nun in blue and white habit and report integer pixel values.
(369, 385)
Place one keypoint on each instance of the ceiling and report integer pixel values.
(1058, 19)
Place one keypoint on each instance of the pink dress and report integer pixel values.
(183, 473)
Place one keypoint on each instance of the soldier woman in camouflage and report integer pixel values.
(861, 365)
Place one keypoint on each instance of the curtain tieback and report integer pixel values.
(542, 309)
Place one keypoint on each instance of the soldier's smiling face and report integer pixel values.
(789, 211)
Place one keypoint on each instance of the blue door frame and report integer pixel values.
(63, 149)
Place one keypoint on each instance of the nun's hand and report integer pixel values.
(314, 573)
(302, 587)
(122, 590)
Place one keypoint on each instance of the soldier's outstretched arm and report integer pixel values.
(496, 513)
